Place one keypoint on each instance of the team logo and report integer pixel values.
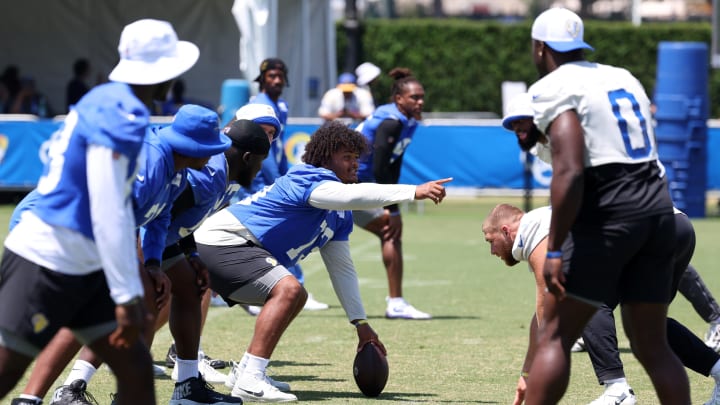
(3, 146)
(295, 147)
(271, 261)
(40, 322)
(573, 28)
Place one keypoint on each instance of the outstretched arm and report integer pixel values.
(333, 195)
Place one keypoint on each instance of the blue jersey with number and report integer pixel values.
(368, 128)
(156, 186)
(211, 191)
(109, 115)
(281, 218)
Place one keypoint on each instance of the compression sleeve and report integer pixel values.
(333, 195)
(386, 136)
(336, 256)
(113, 221)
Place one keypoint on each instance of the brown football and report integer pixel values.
(370, 370)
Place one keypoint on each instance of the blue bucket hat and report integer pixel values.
(195, 132)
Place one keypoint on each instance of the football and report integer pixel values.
(370, 370)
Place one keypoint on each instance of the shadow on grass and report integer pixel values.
(394, 397)
(423, 321)
(283, 363)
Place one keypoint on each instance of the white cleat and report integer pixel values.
(208, 373)
(314, 305)
(158, 371)
(616, 394)
(404, 310)
(712, 337)
(235, 372)
(253, 389)
(578, 346)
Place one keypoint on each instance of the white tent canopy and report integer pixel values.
(302, 34)
(43, 38)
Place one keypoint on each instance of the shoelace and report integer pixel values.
(84, 395)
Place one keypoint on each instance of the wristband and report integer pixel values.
(361, 322)
(394, 213)
(193, 254)
(554, 254)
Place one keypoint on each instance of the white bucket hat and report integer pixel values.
(366, 72)
(150, 53)
(518, 107)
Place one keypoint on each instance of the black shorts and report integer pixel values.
(630, 261)
(36, 302)
(242, 273)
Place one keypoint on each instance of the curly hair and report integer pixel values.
(330, 138)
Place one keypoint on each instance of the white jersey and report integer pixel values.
(534, 227)
(612, 106)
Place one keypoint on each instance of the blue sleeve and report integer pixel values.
(120, 118)
(154, 234)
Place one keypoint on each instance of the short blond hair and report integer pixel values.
(501, 214)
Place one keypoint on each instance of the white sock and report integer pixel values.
(82, 370)
(621, 380)
(37, 400)
(395, 301)
(254, 365)
(243, 361)
(186, 369)
(715, 371)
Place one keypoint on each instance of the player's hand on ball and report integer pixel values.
(370, 370)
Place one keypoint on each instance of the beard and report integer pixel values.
(530, 140)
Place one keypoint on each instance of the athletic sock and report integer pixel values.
(82, 370)
(255, 365)
(33, 398)
(186, 369)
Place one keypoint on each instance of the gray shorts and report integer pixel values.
(364, 217)
(242, 274)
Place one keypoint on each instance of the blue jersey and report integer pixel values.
(283, 221)
(25, 204)
(276, 164)
(156, 186)
(211, 191)
(109, 115)
(153, 198)
(368, 128)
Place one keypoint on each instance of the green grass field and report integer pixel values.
(470, 353)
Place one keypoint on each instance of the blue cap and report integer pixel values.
(195, 132)
(346, 78)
